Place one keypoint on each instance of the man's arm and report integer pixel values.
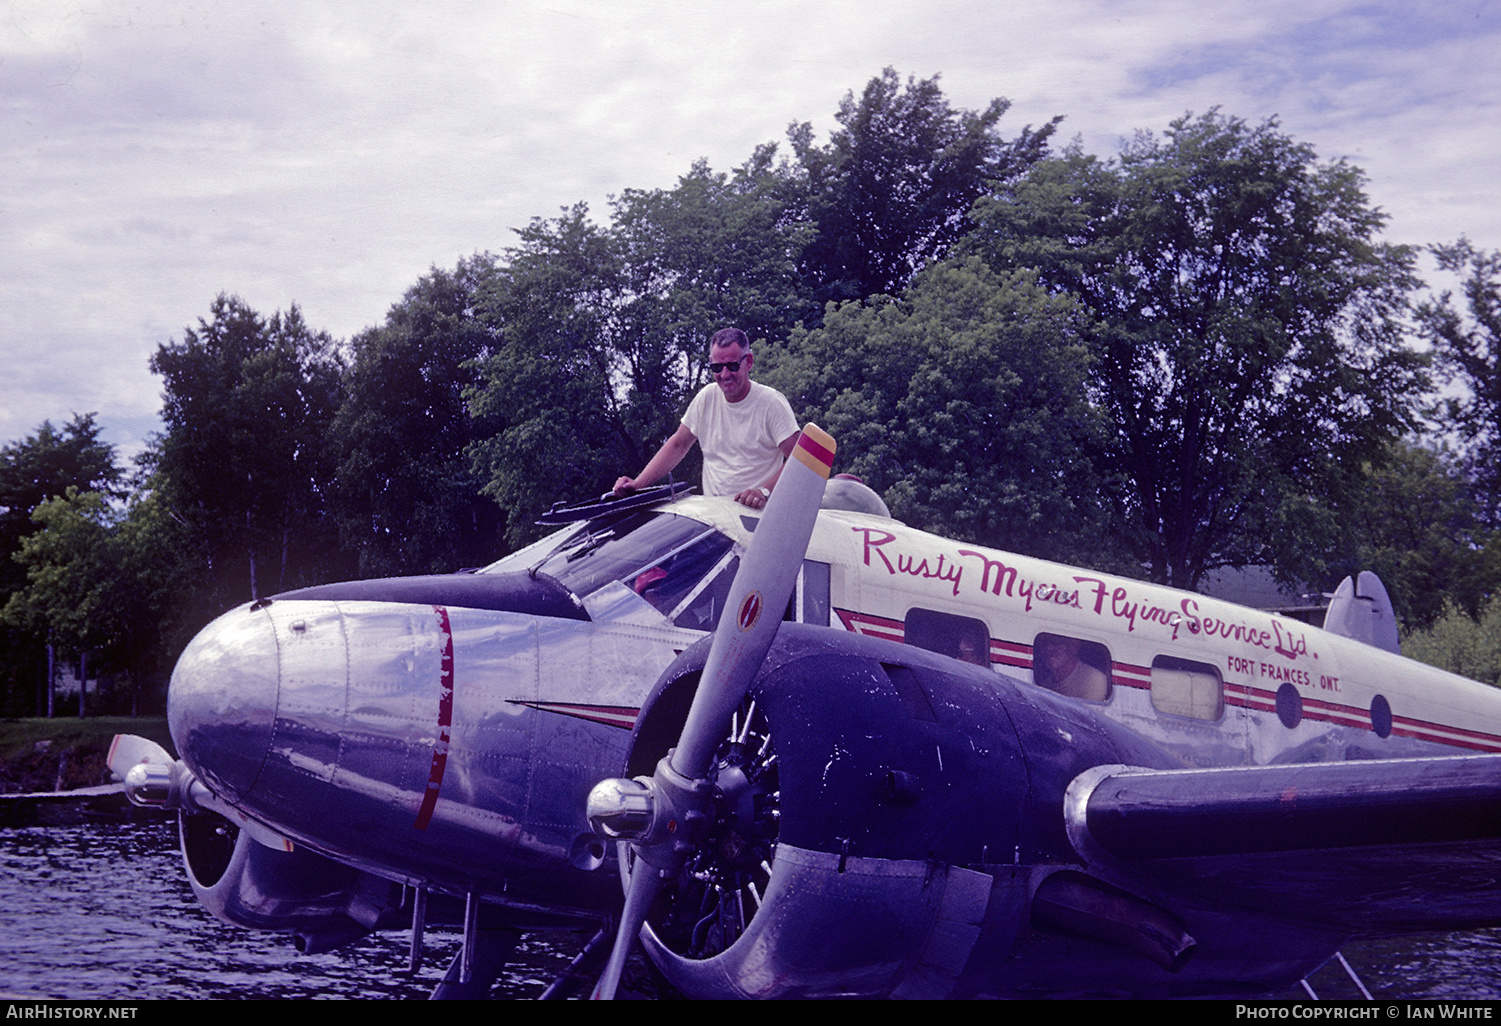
(756, 497)
(670, 455)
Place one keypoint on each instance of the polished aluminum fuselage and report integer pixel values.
(453, 748)
(331, 721)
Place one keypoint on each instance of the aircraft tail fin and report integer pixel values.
(1362, 610)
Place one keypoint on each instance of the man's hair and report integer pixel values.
(731, 337)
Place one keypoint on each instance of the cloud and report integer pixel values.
(156, 154)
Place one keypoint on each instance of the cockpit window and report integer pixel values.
(667, 583)
(702, 611)
(527, 556)
(659, 556)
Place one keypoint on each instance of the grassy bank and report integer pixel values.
(37, 754)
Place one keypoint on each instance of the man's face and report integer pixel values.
(1059, 656)
(735, 384)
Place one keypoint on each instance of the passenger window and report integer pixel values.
(1071, 666)
(959, 637)
(1186, 688)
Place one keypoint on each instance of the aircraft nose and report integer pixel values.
(221, 705)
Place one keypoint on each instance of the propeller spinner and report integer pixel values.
(666, 815)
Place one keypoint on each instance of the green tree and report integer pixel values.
(548, 394)
(1415, 524)
(1460, 643)
(407, 499)
(1468, 347)
(73, 588)
(109, 580)
(963, 404)
(717, 249)
(41, 466)
(891, 189)
(165, 600)
(603, 328)
(246, 459)
(1246, 333)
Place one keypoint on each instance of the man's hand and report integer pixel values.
(670, 455)
(755, 498)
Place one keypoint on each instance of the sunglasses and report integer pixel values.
(733, 368)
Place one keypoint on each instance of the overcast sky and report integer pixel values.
(153, 155)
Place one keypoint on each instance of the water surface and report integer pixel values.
(105, 912)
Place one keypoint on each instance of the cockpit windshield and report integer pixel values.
(660, 557)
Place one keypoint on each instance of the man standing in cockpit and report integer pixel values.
(746, 430)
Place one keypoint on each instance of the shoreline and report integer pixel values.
(63, 754)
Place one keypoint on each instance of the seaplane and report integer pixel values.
(812, 752)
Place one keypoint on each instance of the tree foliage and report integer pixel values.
(407, 500)
(548, 390)
(1468, 346)
(73, 591)
(716, 249)
(1247, 341)
(890, 191)
(110, 580)
(42, 466)
(1414, 523)
(1460, 643)
(963, 403)
(246, 459)
(166, 599)
(602, 329)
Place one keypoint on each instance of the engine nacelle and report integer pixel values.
(323, 903)
(891, 824)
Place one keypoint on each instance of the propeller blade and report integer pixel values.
(638, 898)
(128, 750)
(753, 613)
(664, 818)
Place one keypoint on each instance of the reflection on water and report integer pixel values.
(105, 912)
(1448, 966)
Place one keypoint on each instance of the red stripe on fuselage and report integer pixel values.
(622, 716)
(1019, 656)
(445, 721)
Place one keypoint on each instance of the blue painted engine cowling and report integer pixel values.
(885, 876)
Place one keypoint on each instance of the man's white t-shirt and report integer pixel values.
(739, 440)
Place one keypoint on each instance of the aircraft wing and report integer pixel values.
(1403, 844)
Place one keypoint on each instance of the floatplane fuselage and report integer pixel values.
(958, 772)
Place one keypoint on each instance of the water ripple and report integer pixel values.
(105, 912)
